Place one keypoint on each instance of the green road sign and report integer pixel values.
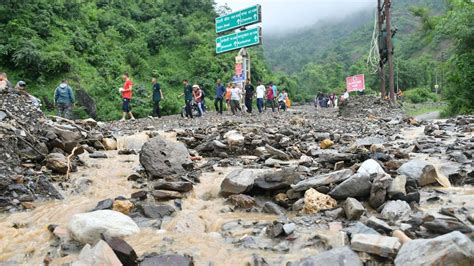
(238, 19)
(238, 40)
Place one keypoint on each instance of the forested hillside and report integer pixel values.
(429, 34)
(92, 43)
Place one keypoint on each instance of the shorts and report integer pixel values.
(126, 105)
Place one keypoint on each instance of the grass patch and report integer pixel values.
(419, 109)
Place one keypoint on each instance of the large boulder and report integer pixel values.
(163, 158)
(337, 256)
(278, 180)
(358, 185)
(420, 171)
(454, 248)
(383, 246)
(88, 227)
(396, 209)
(239, 181)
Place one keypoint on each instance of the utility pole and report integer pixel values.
(391, 82)
(381, 68)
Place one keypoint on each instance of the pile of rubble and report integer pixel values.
(35, 150)
(370, 106)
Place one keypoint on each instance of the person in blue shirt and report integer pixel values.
(219, 98)
(157, 97)
(64, 99)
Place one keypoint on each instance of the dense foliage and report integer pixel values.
(420, 95)
(433, 45)
(91, 43)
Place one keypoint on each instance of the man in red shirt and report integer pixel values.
(126, 97)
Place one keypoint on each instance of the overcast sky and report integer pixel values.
(282, 15)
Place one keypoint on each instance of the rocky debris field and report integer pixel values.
(364, 185)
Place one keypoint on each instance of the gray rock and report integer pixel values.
(369, 141)
(360, 228)
(275, 162)
(396, 210)
(379, 225)
(353, 209)
(358, 185)
(337, 256)
(242, 201)
(298, 205)
(371, 168)
(449, 249)
(397, 187)
(168, 259)
(378, 191)
(384, 246)
(238, 181)
(322, 180)
(104, 205)
(334, 214)
(57, 162)
(164, 195)
(275, 229)
(276, 153)
(179, 186)
(445, 224)
(98, 155)
(420, 171)
(163, 158)
(277, 180)
(273, 208)
(156, 211)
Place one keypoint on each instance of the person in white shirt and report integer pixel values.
(260, 95)
(235, 93)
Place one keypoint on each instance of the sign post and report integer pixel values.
(239, 19)
(238, 40)
(355, 83)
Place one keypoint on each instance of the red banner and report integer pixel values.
(355, 83)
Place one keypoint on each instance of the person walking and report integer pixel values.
(228, 91)
(64, 99)
(275, 94)
(270, 98)
(219, 98)
(260, 95)
(197, 95)
(282, 100)
(188, 98)
(126, 91)
(249, 92)
(235, 99)
(157, 97)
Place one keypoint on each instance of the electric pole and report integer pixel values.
(381, 68)
(391, 83)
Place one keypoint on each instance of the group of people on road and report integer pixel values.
(266, 96)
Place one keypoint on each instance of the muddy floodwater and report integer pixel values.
(196, 229)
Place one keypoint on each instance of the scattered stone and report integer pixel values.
(378, 191)
(106, 204)
(57, 162)
(383, 246)
(276, 153)
(123, 206)
(315, 202)
(100, 254)
(156, 211)
(326, 144)
(242, 201)
(337, 256)
(238, 181)
(321, 180)
(401, 236)
(174, 186)
(397, 190)
(418, 170)
(379, 225)
(277, 180)
(98, 155)
(353, 209)
(360, 228)
(234, 138)
(358, 185)
(109, 144)
(273, 208)
(164, 195)
(275, 229)
(88, 227)
(140, 195)
(396, 210)
(289, 228)
(371, 168)
(166, 259)
(122, 250)
(444, 224)
(449, 249)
